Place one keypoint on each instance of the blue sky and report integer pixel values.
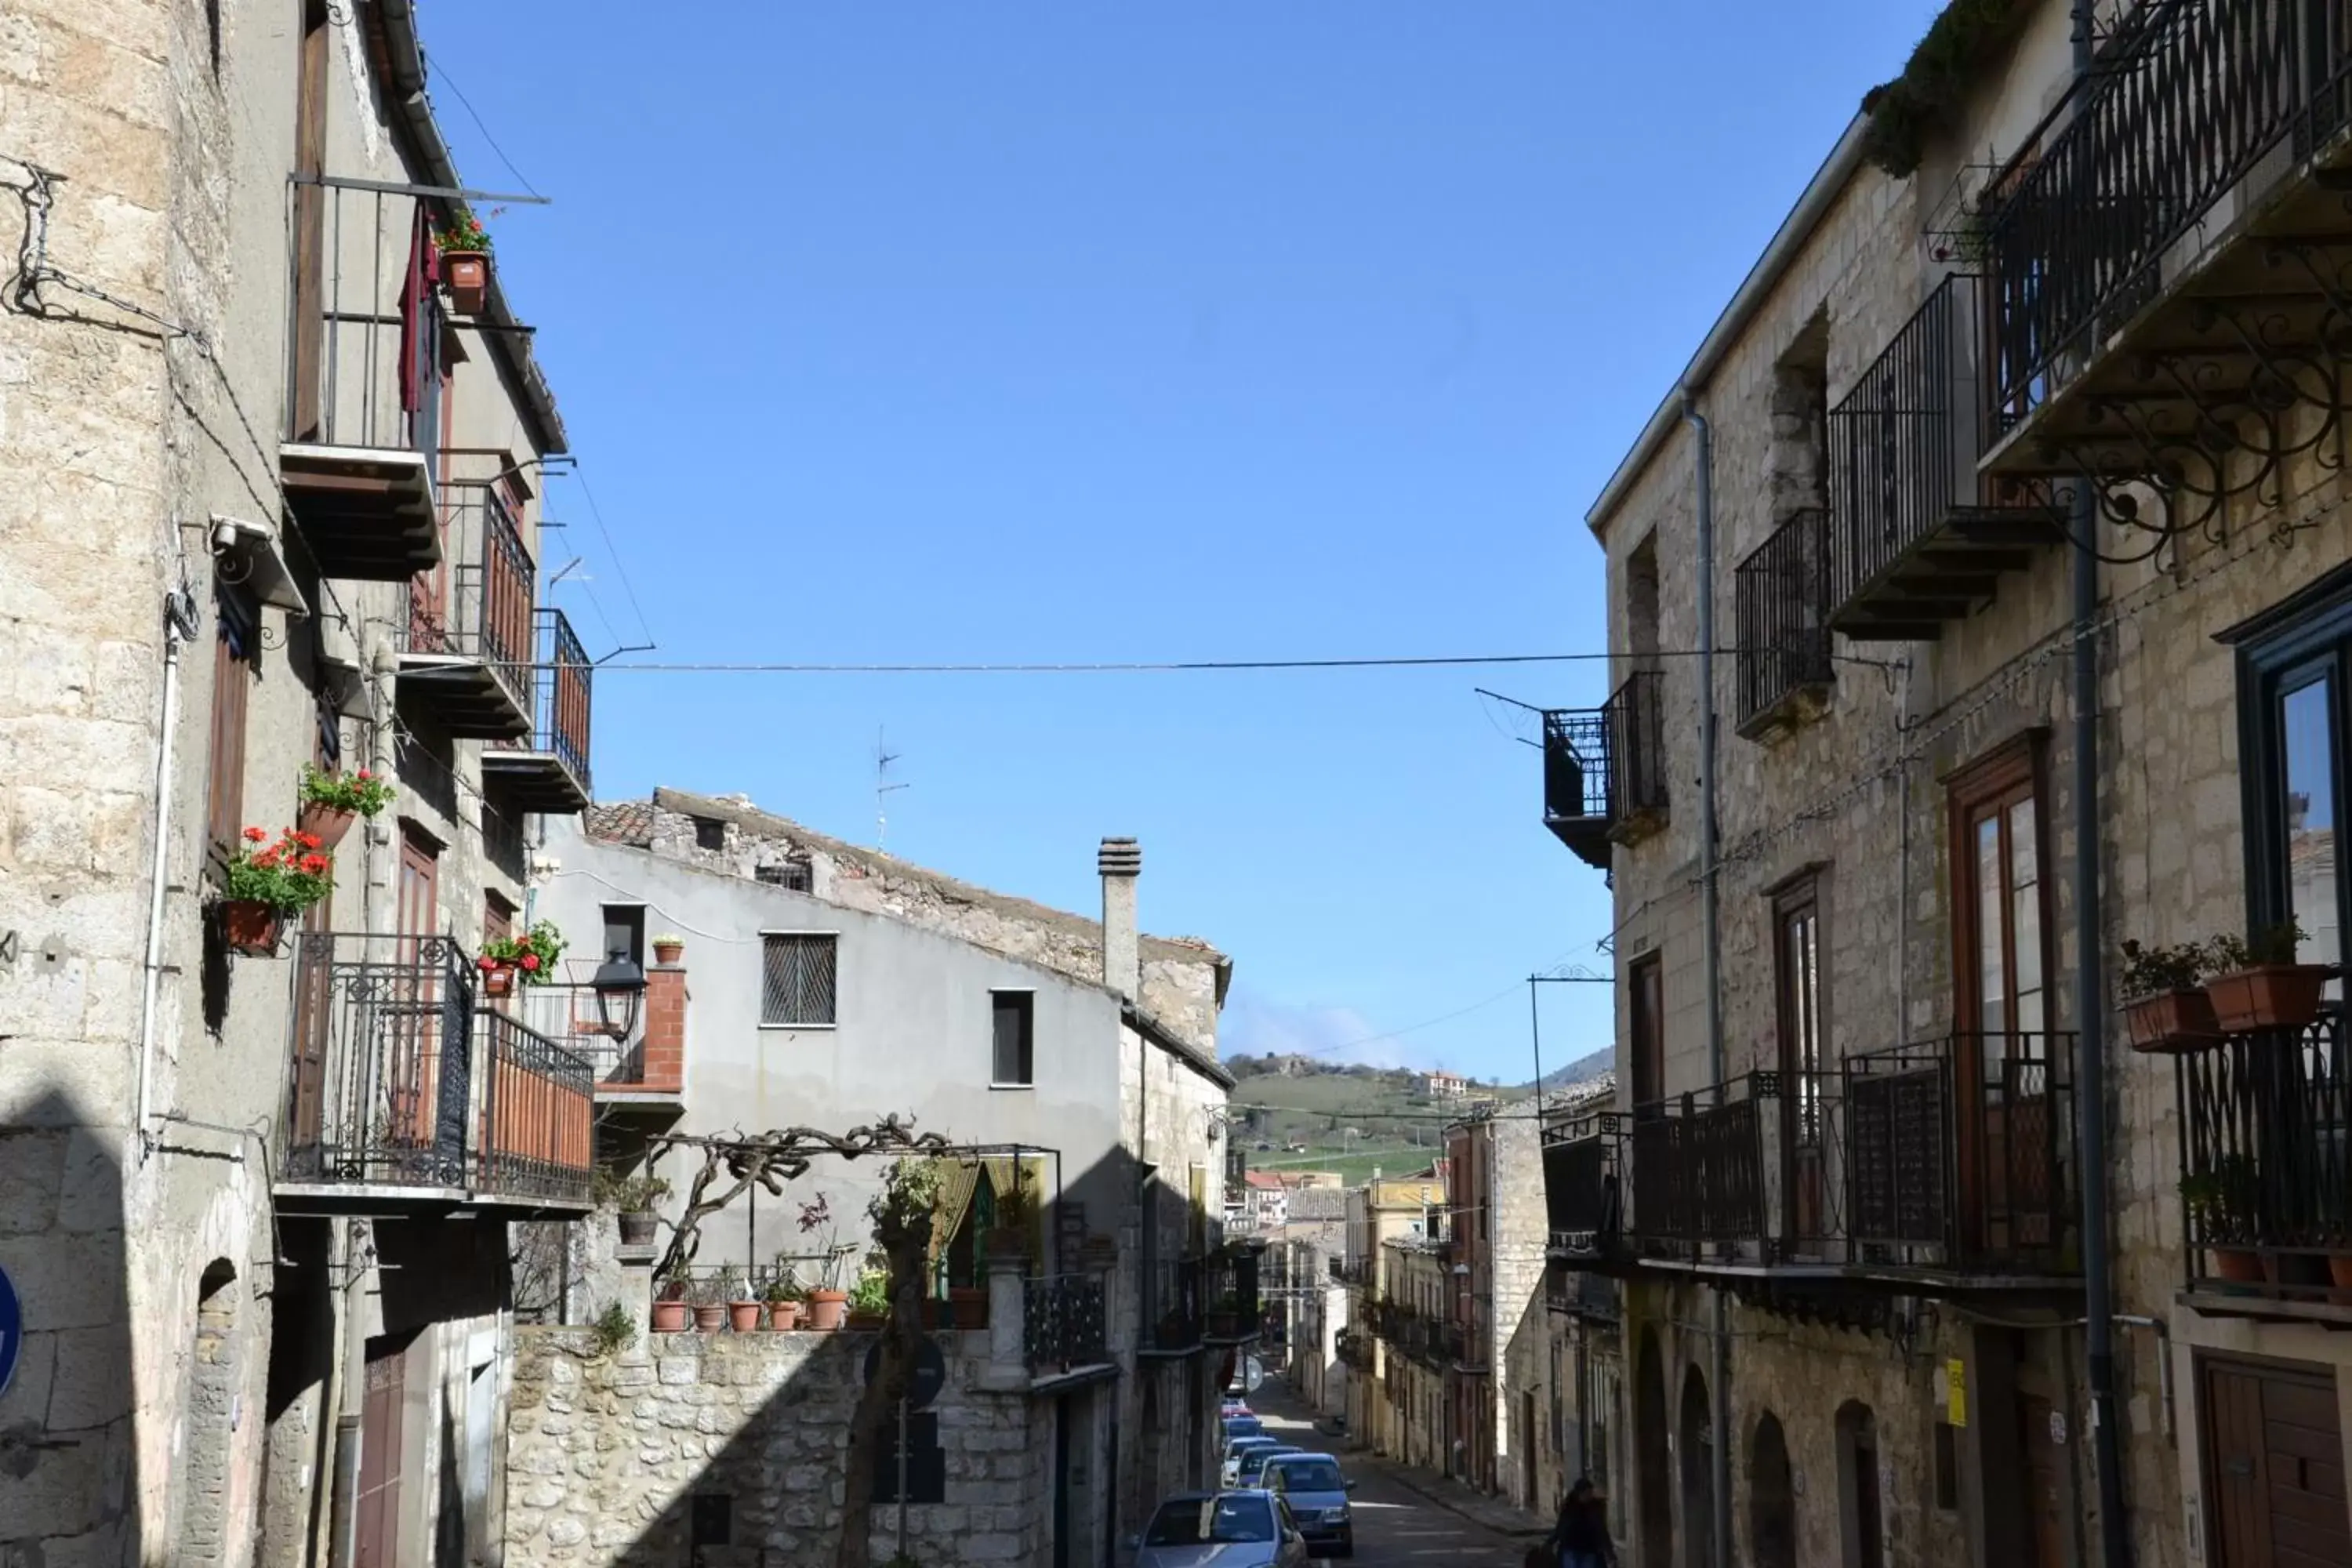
(1047, 333)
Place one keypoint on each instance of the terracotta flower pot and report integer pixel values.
(2339, 1271)
(826, 1308)
(638, 1229)
(785, 1315)
(2172, 1022)
(867, 1322)
(2238, 1265)
(711, 1317)
(668, 951)
(328, 822)
(467, 273)
(250, 926)
(744, 1317)
(1006, 1243)
(968, 1306)
(498, 982)
(2267, 996)
(670, 1317)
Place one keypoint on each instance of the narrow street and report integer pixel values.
(1394, 1523)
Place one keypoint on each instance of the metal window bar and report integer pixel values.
(1958, 1151)
(2265, 1131)
(365, 324)
(797, 985)
(1576, 765)
(2189, 96)
(1730, 1171)
(1063, 1322)
(1780, 607)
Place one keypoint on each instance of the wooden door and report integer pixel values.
(1648, 1026)
(313, 982)
(309, 305)
(413, 1070)
(1869, 1519)
(377, 1504)
(2044, 1469)
(2274, 1461)
(1798, 975)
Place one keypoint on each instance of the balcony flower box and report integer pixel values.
(268, 881)
(2267, 996)
(2168, 1022)
(530, 958)
(464, 250)
(332, 801)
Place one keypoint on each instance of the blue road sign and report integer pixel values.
(12, 1330)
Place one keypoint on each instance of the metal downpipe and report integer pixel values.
(1711, 903)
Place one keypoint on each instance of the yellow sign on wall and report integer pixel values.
(1956, 1396)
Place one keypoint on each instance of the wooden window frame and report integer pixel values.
(237, 651)
(2019, 764)
(2307, 637)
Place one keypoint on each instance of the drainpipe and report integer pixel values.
(2090, 1006)
(1711, 921)
(179, 627)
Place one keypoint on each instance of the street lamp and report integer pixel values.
(619, 985)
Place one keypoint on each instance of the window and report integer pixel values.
(795, 875)
(709, 833)
(498, 918)
(1797, 964)
(1647, 978)
(2292, 696)
(233, 674)
(2003, 929)
(625, 933)
(1015, 1015)
(798, 983)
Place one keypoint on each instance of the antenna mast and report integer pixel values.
(883, 788)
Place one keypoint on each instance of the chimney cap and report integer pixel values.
(1119, 858)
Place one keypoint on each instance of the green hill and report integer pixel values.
(1299, 1114)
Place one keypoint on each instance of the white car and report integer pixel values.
(1222, 1530)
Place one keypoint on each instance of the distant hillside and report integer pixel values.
(1298, 1113)
(1584, 1069)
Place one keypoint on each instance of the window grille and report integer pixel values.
(794, 876)
(799, 980)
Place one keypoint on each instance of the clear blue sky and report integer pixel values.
(1057, 331)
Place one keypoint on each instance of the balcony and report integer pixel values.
(363, 417)
(466, 648)
(1916, 539)
(1177, 1318)
(1581, 1201)
(1063, 1323)
(1604, 769)
(1780, 605)
(639, 1077)
(2266, 1165)
(408, 1095)
(2169, 302)
(1699, 1164)
(1229, 1283)
(1957, 1153)
(1576, 1293)
(546, 770)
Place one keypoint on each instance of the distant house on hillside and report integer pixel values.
(1439, 1084)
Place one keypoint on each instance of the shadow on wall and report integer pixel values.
(725, 1450)
(68, 1460)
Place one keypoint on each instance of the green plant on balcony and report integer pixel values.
(267, 880)
(2165, 1006)
(330, 802)
(531, 957)
(2256, 982)
(2217, 1201)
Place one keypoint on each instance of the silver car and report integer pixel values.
(1236, 1448)
(1222, 1530)
(1317, 1495)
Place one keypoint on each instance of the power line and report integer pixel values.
(1139, 666)
(441, 73)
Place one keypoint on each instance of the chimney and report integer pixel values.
(1120, 862)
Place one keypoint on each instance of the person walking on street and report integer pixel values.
(1580, 1538)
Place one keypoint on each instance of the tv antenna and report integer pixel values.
(883, 788)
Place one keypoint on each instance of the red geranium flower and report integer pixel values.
(256, 834)
(365, 775)
(531, 963)
(314, 864)
(308, 840)
(486, 964)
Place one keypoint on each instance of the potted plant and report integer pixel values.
(529, 957)
(2213, 1198)
(465, 248)
(1225, 1315)
(710, 1298)
(869, 1299)
(744, 1309)
(268, 881)
(1014, 1234)
(827, 1301)
(636, 1199)
(2257, 983)
(968, 1306)
(669, 947)
(331, 802)
(669, 1307)
(783, 1299)
(2166, 1008)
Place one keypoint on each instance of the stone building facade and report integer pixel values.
(1845, 1180)
(223, 529)
(828, 986)
(1495, 1216)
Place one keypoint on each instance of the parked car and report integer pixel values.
(1229, 1473)
(1243, 1426)
(1317, 1495)
(1221, 1530)
(1235, 1406)
(1252, 1471)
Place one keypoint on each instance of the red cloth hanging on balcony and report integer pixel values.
(422, 272)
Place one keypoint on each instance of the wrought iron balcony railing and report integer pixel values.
(363, 419)
(1063, 1323)
(1958, 1153)
(1581, 1200)
(546, 770)
(406, 1087)
(1229, 1280)
(466, 646)
(1780, 605)
(1604, 768)
(1178, 1317)
(2265, 1130)
(1734, 1172)
(1574, 1292)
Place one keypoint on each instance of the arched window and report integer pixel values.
(1696, 1443)
(1772, 1496)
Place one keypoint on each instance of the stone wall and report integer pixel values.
(605, 1453)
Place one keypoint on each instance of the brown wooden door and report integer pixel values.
(2274, 1462)
(1648, 1006)
(377, 1503)
(309, 303)
(413, 1073)
(2045, 1464)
